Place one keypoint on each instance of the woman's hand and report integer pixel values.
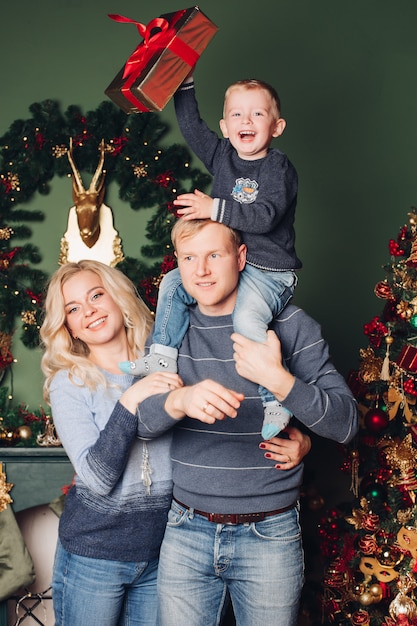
(158, 382)
(287, 452)
(206, 401)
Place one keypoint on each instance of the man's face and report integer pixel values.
(210, 263)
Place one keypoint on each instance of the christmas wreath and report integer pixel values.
(32, 152)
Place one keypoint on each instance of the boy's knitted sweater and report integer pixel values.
(219, 467)
(258, 197)
(109, 513)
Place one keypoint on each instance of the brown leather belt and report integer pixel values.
(235, 518)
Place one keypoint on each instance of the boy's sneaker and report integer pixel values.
(160, 359)
(276, 418)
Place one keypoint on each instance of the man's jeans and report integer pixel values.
(106, 593)
(261, 564)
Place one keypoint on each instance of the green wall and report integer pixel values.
(346, 75)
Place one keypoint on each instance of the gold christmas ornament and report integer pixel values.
(363, 517)
(397, 399)
(24, 432)
(376, 592)
(366, 598)
(48, 437)
(402, 605)
(412, 259)
(370, 566)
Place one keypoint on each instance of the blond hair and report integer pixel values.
(64, 352)
(253, 83)
(184, 229)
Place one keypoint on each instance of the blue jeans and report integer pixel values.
(261, 565)
(261, 296)
(89, 591)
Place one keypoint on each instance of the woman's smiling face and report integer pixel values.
(91, 313)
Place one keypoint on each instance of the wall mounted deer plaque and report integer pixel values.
(90, 232)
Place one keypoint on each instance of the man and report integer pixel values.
(233, 527)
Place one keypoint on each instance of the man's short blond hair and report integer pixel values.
(184, 229)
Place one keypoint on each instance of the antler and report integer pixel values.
(87, 203)
(76, 176)
(99, 170)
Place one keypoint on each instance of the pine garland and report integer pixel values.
(32, 152)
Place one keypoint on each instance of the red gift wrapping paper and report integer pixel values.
(407, 359)
(171, 46)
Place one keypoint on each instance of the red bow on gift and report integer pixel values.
(158, 34)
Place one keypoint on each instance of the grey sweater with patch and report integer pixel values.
(267, 222)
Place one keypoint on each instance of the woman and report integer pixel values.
(115, 513)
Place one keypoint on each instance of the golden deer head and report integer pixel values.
(88, 202)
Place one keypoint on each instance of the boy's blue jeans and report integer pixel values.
(261, 296)
(106, 593)
(260, 564)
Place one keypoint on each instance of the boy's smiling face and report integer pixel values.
(250, 122)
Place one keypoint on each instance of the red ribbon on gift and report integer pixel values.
(158, 34)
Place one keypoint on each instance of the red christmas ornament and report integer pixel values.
(376, 420)
(409, 387)
(383, 290)
(394, 248)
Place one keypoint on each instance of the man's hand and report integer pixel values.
(197, 205)
(262, 363)
(206, 401)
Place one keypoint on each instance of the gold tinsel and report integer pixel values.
(6, 233)
(402, 456)
(29, 317)
(370, 367)
(59, 151)
(5, 498)
(12, 180)
(404, 310)
(361, 517)
(140, 171)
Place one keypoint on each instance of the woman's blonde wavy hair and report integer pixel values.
(61, 350)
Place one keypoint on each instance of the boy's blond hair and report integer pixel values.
(253, 83)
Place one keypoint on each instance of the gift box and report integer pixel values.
(171, 46)
(407, 359)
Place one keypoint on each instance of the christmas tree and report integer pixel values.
(370, 548)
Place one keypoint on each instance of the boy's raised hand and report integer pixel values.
(196, 206)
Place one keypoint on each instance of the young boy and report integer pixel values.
(254, 191)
